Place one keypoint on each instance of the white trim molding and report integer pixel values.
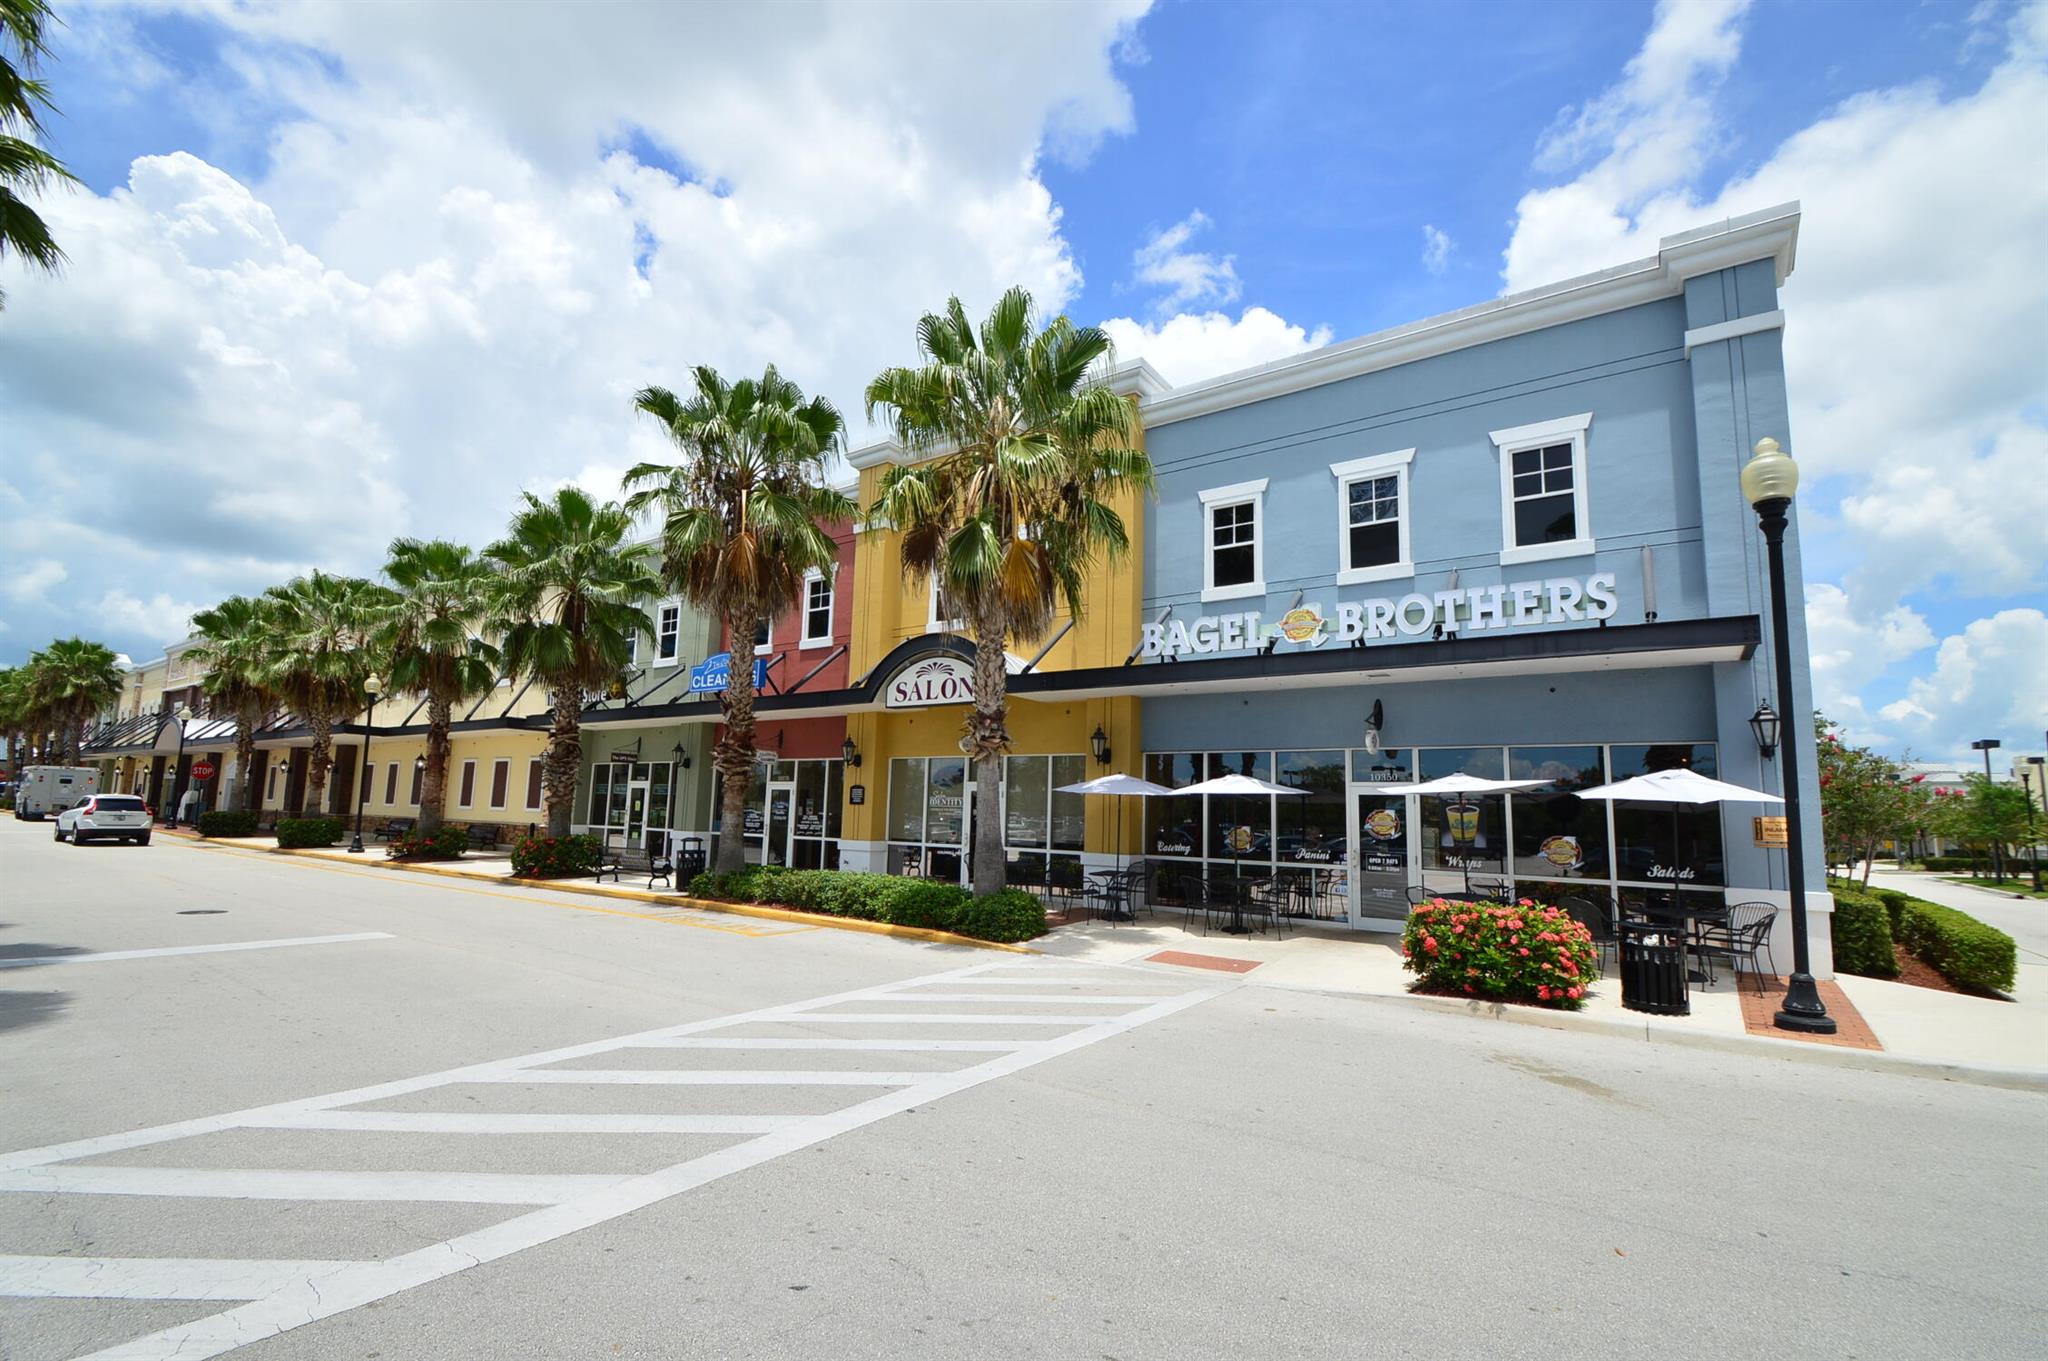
(660, 607)
(1357, 470)
(1768, 234)
(1251, 494)
(1734, 330)
(1536, 435)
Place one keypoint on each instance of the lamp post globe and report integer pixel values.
(372, 684)
(1768, 481)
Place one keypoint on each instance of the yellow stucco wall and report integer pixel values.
(890, 610)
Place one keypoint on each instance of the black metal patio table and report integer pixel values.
(1239, 885)
(1112, 888)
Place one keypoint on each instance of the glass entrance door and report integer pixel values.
(636, 808)
(1382, 866)
(775, 848)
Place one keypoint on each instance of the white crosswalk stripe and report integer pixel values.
(281, 1295)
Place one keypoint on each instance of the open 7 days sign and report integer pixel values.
(1472, 610)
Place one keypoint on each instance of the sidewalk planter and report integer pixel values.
(556, 857)
(899, 901)
(1520, 952)
(443, 843)
(1863, 935)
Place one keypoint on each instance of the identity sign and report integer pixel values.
(1474, 609)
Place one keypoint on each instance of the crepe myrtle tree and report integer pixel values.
(565, 609)
(1017, 451)
(743, 518)
(433, 636)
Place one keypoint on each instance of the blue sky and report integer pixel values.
(348, 253)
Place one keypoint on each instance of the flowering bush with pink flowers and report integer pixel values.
(1514, 952)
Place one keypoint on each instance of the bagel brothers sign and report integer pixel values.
(934, 680)
(1472, 610)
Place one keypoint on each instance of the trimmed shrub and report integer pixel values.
(1516, 952)
(1952, 864)
(1010, 915)
(298, 833)
(1894, 909)
(1962, 949)
(1862, 932)
(920, 902)
(443, 843)
(552, 857)
(220, 822)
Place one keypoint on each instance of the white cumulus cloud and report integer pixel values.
(1190, 277)
(1191, 346)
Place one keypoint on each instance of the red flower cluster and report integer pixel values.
(1524, 951)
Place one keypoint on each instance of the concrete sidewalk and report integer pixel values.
(1941, 1033)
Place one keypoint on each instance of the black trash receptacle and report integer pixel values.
(1653, 970)
(690, 861)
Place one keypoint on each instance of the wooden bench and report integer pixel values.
(483, 836)
(393, 827)
(617, 860)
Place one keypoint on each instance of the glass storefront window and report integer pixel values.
(1558, 835)
(1311, 827)
(1655, 844)
(906, 800)
(1069, 811)
(1437, 762)
(945, 802)
(1381, 767)
(1173, 826)
(1027, 790)
(1241, 828)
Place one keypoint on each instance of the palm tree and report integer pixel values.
(25, 167)
(566, 611)
(318, 649)
(1024, 447)
(72, 680)
(233, 649)
(433, 639)
(16, 716)
(740, 526)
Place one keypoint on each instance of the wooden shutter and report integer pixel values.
(419, 779)
(468, 782)
(533, 769)
(391, 784)
(501, 773)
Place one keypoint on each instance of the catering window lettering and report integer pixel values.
(1474, 609)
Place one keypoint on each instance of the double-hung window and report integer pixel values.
(764, 636)
(1234, 549)
(1543, 490)
(1372, 518)
(668, 627)
(817, 610)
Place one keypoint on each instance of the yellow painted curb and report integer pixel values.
(776, 914)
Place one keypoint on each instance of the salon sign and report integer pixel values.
(936, 680)
(1474, 609)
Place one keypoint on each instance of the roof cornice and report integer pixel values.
(1772, 234)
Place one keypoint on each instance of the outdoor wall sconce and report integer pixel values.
(1374, 721)
(682, 757)
(419, 764)
(1764, 723)
(849, 753)
(1098, 742)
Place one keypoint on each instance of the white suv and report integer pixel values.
(105, 817)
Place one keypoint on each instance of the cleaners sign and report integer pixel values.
(1474, 609)
(714, 674)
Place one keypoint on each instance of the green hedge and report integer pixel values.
(1962, 949)
(443, 843)
(1011, 915)
(220, 822)
(1862, 933)
(552, 857)
(297, 833)
(1952, 864)
(1894, 908)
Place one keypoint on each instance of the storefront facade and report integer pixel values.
(1508, 542)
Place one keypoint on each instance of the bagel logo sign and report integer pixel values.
(936, 680)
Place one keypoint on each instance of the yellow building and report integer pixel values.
(914, 669)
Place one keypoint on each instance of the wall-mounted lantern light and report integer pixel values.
(1764, 723)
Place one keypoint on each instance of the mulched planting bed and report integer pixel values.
(1920, 974)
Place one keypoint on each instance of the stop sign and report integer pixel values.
(202, 770)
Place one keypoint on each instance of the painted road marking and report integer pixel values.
(475, 1188)
(147, 1278)
(1078, 999)
(570, 1203)
(465, 1122)
(106, 956)
(707, 1077)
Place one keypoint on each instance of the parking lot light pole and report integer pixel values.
(2037, 788)
(1768, 481)
(370, 689)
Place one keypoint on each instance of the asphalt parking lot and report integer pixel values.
(291, 1109)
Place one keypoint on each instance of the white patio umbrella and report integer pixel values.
(1242, 786)
(1680, 788)
(1118, 786)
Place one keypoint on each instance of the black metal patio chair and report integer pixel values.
(1743, 935)
(1595, 919)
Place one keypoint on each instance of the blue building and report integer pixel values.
(1508, 541)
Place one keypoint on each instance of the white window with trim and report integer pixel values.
(633, 648)
(939, 616)
(1234, 541)
(668, 632)
(1372, 518)
(816, 630)
(764, 636)
(1543, 490)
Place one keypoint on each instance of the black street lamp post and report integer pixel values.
(2036, 788)
(1768, 481)
(370, 689)
(183, 715)
(1987, 745)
